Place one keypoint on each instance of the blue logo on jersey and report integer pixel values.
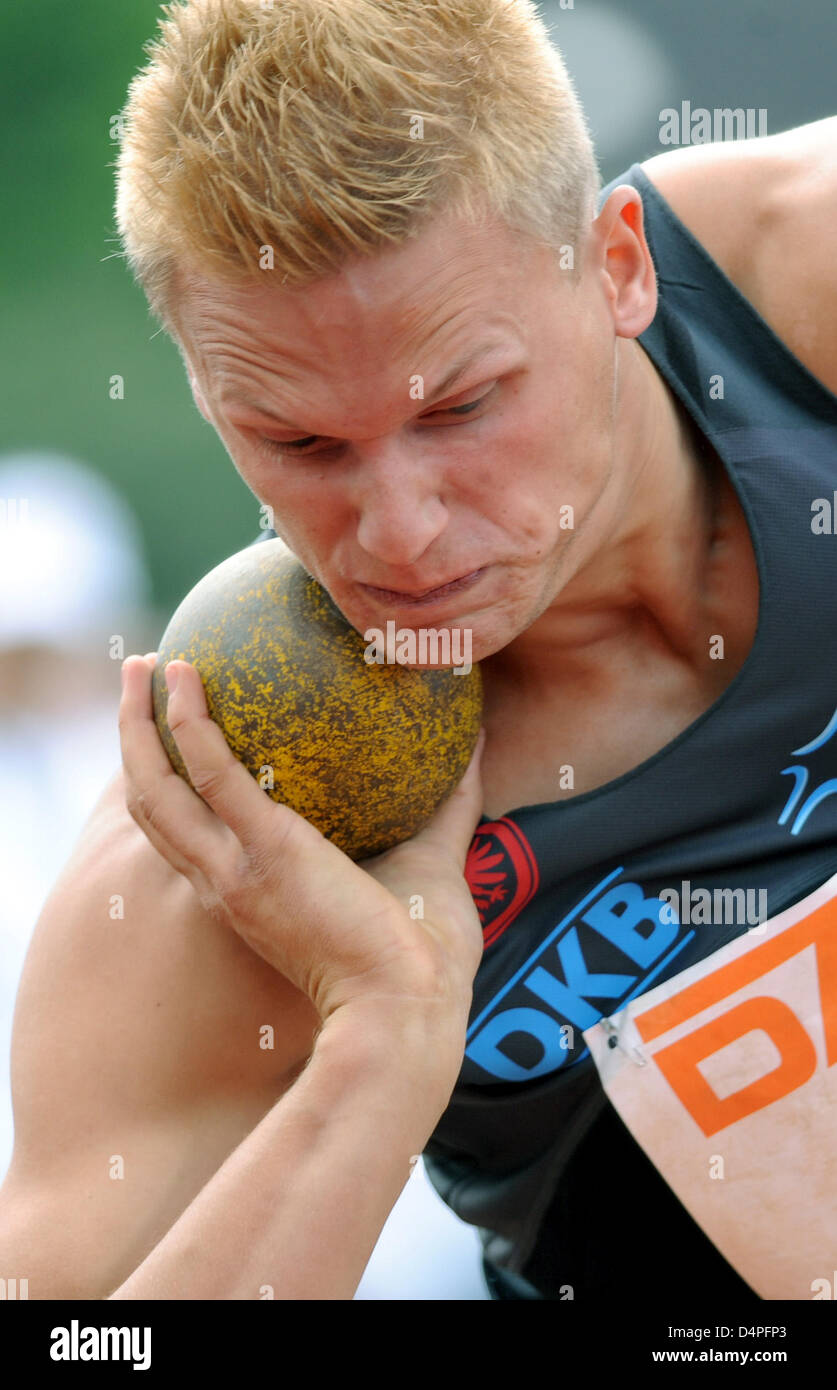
(523, 1032)
(800, 776)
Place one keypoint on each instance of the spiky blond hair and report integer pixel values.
(325, 129)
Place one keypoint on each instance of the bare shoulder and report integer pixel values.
(148, 1042)
(158, 1005)
(765, 211)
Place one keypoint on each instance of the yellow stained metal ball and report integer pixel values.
(364, 751)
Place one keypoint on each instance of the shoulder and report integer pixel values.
(765, 210)
(137, 1030)
(124, 948)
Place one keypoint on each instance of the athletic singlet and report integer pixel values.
(529, 1149)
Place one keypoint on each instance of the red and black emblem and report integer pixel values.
(502, 874)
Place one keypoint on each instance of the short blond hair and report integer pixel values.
(325, 129)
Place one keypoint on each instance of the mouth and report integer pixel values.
(425, 596)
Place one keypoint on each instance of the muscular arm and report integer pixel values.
(136, 1062)
(137, 1065)
(298, 1207)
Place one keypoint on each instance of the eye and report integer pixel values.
(298, 447)
(460, 409)
(289, 446)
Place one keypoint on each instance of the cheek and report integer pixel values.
(296, 515)
(554, 458)
(584, 425)
(303, 520)
(255, 471)
(543, 444)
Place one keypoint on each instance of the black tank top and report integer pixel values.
(529, 1149)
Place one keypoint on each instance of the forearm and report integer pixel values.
(299, 1205)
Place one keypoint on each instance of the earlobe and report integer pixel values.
(629, 275)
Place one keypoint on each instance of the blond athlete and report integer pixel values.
(312, 247)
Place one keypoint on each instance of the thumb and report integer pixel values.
(451, 827)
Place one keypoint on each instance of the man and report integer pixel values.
(418, 340)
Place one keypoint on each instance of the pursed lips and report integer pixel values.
(422, 596)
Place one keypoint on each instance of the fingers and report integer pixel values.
(222, 829)
(216, 774)
(453, 823)
(175, 820)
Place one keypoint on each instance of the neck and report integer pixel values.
(641, 557)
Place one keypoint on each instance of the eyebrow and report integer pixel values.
(462, 365)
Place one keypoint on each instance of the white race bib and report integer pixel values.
(726, 1076)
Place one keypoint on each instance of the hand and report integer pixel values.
(340, 931)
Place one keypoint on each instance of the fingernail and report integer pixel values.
(171, 678)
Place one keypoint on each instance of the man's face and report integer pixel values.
(331, 401)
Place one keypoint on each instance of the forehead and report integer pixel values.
(448, 280)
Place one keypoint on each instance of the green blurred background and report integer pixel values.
(73, 317)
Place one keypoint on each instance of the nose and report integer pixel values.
(399, 507)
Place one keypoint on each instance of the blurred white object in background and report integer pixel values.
(72, 576)
(71, 555)
(424, 1251)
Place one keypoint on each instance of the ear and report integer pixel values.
(624, 262)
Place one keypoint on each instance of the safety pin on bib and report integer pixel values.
(614, 1039)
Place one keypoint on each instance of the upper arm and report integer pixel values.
(138, 1061)
(765, 211)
